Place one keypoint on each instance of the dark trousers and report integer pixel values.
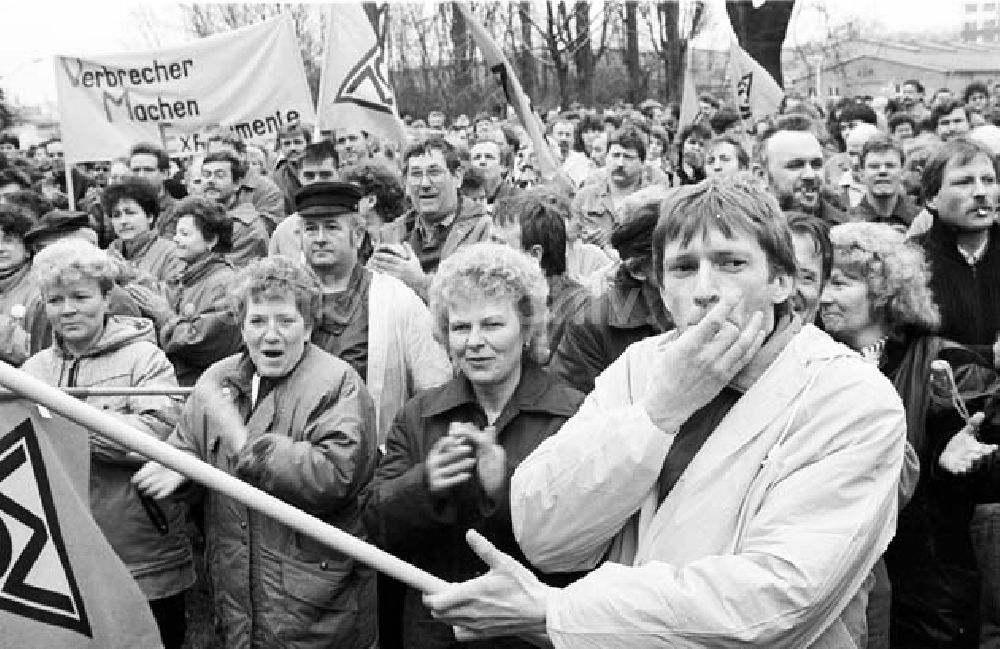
(169, 614)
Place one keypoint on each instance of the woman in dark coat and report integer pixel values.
(452, 450)
(878, 301)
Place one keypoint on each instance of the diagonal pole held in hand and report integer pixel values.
(194, 469)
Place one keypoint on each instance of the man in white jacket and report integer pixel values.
(733, 482)
(369, 319)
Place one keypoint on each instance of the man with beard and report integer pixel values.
(292, 141)
(221, 173)
(963, 250)
(435, 227)
(790, 158)
(885, 200)
(599, 203)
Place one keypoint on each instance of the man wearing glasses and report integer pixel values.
(434, 227)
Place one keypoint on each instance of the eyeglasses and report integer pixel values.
(434, 174)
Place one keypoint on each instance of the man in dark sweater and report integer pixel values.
(960, 183)
(963, 249)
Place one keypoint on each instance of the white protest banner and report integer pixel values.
(355, 88)
(250, 81)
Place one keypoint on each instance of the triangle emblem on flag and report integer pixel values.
(367, 84)
(36, 578)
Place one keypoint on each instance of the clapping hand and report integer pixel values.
(491, 459)
(149, 301)
(402, 263)
(963, 451)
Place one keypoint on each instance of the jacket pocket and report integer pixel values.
(326, 584)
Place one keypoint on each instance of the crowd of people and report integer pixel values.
(685, 389)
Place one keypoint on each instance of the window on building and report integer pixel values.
(971, 8)
(990, 7)
(989, 24)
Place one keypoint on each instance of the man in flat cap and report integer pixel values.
(369, 319)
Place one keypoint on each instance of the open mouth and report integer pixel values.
(272, 353)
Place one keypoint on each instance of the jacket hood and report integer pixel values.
(119, 331)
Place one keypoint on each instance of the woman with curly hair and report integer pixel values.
(878, 301)
(452, 450)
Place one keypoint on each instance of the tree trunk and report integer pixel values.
(525, 59)
(673, 49)
(583, 55)
(556, 53)
(761, 32)
(637, 77)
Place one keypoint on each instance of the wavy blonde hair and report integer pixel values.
(490, 271)
(72, 260)
(895, 270)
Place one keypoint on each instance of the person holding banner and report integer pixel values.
(93, 349)
(297, 422)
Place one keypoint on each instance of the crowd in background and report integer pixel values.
(379, 333)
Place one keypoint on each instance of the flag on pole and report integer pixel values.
(757, 93)
(500, 66)
(689, 95)
(354, 86)
(61, 584)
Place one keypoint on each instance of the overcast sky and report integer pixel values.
(35, 30)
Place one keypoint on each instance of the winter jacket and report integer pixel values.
(250, 235)
(932, 566)
(429, 531)
(203, 330)
(152, 256)
(17, 291)
(600, 332)
(311, 442)
(767, 540)
(148, 535)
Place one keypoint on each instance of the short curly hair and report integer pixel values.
(382, 180)
(71, 261)
(142, 191)
(15, 220)
(490, 271)
(211, 220)
(895, 270)
(278, 277)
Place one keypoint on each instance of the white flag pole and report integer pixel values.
(193, 468)
(321, 97)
